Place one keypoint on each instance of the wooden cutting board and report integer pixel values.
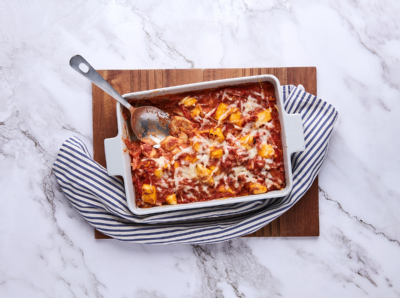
(302, 220)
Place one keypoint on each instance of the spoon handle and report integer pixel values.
(97, 79)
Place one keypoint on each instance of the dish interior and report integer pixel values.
(223, 143)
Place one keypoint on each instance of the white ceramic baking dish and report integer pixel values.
(118, 160)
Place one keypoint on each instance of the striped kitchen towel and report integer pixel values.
(100, 199)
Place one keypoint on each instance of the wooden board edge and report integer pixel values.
(99, 235)
(290, 70)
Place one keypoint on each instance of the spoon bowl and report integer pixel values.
(146, 122)
(150, 122)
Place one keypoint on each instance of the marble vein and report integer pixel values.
(233, 264)
(368, 225)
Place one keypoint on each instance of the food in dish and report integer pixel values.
(224, 142)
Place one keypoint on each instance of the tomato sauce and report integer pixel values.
(224, 142)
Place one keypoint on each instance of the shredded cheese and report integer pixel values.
(194, 169)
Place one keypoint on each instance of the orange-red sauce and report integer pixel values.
(191, 164)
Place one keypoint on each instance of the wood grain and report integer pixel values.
(300, 221)
(104, 110)
(303, 218)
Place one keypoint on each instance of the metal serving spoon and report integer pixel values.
(146, 122)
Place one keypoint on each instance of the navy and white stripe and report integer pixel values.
(101, 198)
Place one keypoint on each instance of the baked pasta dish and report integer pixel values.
(223, 143)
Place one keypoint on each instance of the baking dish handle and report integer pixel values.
(114, 158)
(294, 133)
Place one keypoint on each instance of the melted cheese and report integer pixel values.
(250, 105)
(208, 115)
(252, 153)
(188, 150)
(181, 172)
(161, 161)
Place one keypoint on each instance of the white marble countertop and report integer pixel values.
(48, 250)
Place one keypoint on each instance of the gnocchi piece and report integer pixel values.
(148, 141)
(217, 134)
(247, 141)
(184, 137)
(257, 189)
(170, 143)
(266, 151)
(221, 110)
(148, 150)
(188, 101)
(196, 111)
(204, 174)
(149, 194)
(236, 118)
(176, 151)
(179, 124)
(196, 146)
(223, 188)
(217, 171)
(158, 173)
(191, 158)
(178, 111)
(171, 199)
(263, 118)
(216, 152)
